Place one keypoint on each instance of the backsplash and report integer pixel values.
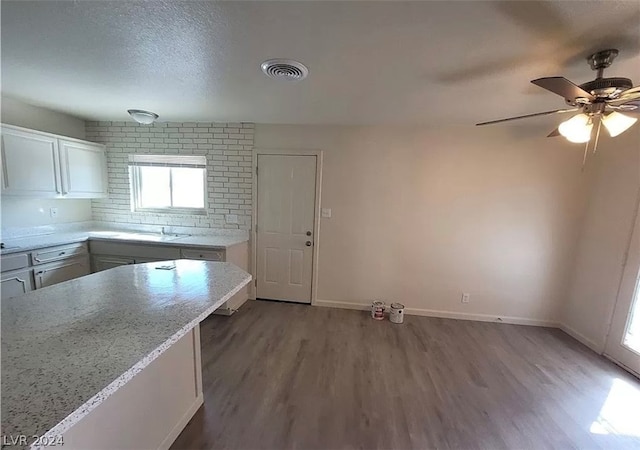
(12, 233)
(228, 148)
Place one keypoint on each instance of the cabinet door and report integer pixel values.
(59, 272)
(108, 262)
(30, 164)
(84, 169)
(16, 283)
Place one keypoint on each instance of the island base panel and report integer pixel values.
(151, 409)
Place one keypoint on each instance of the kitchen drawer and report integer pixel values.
(50, 254)
(134, 250)
(14, 262)
(205, 255)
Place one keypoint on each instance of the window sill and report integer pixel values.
(172, 211)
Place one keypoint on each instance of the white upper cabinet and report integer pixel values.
(30, 164)
(84, 169)
(44, 165)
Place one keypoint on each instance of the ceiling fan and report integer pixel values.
(603, 101)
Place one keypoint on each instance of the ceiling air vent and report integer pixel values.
(285, 69)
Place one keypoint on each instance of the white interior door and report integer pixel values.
(623, 342)
(285, 227)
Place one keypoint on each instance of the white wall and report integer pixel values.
(21, 114)
(604, 239)
(33, 212)
(420, 216)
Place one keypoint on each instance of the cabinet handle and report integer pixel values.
(18, 279)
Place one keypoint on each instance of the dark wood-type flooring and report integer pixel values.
(280, 376)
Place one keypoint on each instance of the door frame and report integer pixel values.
(316, 218)
(627, 270)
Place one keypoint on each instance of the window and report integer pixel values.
(168, 183)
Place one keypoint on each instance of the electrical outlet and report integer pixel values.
(53, 212)
(231, 218)
(465, 297)
(325, 213)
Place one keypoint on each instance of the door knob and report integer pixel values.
(308, 243)
(308, 233)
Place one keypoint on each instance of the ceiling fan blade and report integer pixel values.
(632, 90)
(625, 98)
(545, 113)
(627, 108)
(563, 87)
(554, 133)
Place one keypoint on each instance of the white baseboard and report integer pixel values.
(446, 314)
(184, 420)
(342, 305)
(599, 349)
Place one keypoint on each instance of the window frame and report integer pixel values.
(136, 186)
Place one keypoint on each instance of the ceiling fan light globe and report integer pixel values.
(579, 139)
(617, 123)
(577, 129)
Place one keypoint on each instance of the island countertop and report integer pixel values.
(68, 347)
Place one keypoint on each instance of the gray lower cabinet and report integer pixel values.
(23, 272)
(54, 273)
(102, 262)
(204, 255)
(16, 283)
(105, 255)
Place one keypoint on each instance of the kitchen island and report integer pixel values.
(112, 359)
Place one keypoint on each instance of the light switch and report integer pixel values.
(326, 213)
(231, 218)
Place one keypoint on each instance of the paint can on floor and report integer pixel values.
(397, 313)
(377, 310)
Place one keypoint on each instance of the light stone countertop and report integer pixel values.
(26, 244)
(68, 347)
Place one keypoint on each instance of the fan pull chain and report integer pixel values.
(592, 119)
(595, 145)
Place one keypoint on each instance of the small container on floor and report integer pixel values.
(397, 313)
(377, 310)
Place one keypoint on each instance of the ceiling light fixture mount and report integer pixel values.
(143, 117)
(285, 69)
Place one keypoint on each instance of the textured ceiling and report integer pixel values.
(395, 62)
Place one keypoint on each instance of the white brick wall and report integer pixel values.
(227, 146)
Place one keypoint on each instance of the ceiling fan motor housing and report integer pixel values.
(607, 87)
(603, 88)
